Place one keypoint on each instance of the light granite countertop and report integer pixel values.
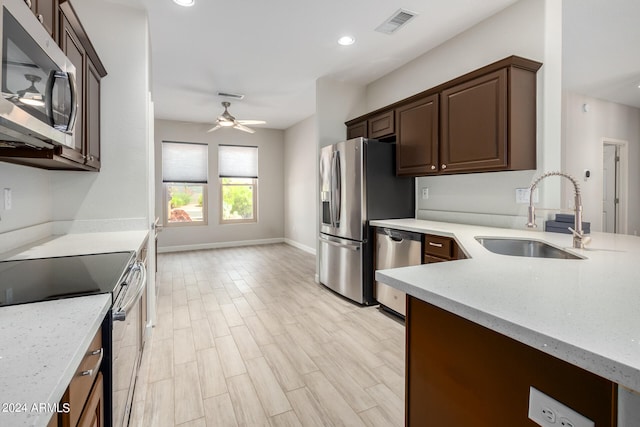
(80, 244)
(42, 344)
(41, 347)
(585, 311)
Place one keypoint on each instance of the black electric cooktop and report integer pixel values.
(42, 279)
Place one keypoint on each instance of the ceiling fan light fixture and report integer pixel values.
(228, 121)
(184, 3)
(346, 41)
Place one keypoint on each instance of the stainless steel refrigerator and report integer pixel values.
(357, 184)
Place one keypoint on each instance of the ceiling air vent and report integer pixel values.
(396, 21)
(230, 95)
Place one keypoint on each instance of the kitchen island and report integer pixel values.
(583, 311)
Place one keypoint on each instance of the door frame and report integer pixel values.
(623, 176)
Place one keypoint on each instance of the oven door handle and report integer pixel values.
(120, 312)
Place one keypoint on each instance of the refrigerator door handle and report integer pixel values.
(341, 245)
(334, 190)
(338, 196)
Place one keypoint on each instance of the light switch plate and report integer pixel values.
(548, 412)
(7, 199)
(522, 195)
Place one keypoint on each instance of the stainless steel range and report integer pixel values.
(118, 273)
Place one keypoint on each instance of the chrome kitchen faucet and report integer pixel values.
(579, 239)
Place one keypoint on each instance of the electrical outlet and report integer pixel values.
(425, 193)
(522, 195)
(546, 411)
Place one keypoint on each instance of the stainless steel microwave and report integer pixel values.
(39, 101)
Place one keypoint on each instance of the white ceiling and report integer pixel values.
(273, 51)
(601, 40)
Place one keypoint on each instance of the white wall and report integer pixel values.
(584, 131)
(529, 28)
(270, 223)
(300, 182)
(336, 102)
(120, 35)
(31, 196)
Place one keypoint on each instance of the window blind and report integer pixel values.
(184, 162)
(237, 161)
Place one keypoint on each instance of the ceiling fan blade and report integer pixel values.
(216, 127)
(243, 128)
(251, 122)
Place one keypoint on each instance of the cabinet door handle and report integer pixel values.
(41, 18)
(437, 245)
(28, 2)
(444, 166)
(433, 167)
(90, 372)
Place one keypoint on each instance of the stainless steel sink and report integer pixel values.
(524, 247)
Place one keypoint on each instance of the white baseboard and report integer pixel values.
(217, 245)
(300, 246)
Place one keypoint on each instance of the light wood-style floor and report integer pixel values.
(246, 337)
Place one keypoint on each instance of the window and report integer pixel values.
(238, 172)
(184, 178)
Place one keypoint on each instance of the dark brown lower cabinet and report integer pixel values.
(85, 393)
(93, 414)
(459, 373)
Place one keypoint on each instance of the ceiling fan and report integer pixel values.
(227, 120)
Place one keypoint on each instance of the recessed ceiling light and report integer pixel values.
(185, 3)
(346, 40)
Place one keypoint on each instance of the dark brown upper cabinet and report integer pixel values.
(89, 71)
(74, 50)
(474, 124)
(47, 13)
(92, 115)
(489, 122)
(356, 130)
(68, 32)
(382, 125)
(483, 121)
(417, 137)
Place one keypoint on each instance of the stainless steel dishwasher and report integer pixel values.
(395, 248)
